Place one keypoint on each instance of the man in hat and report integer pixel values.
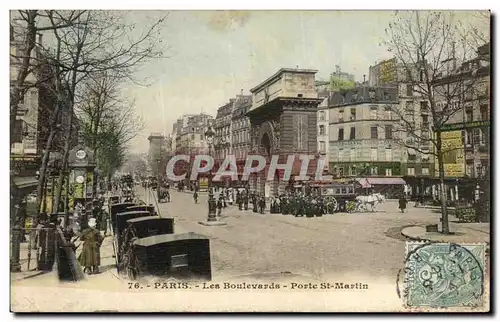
(90, 257)
(219, 206)
(262, 204)
(245, 200)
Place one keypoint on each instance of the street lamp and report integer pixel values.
(209, 137)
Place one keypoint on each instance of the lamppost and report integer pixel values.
(209, 137)
(212, 217)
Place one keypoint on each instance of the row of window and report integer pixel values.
(373, 133)
(241, 123)
(476, 136)
(238, 152)
(480, 169)
(354, 154)
(353, 171)
(241, 137)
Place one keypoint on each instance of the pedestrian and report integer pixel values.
(90, 257)
(262, 204)
(195, 196)
(239, 200)
(402, 203)
(219, 207)
(245, 200)
(254, 203)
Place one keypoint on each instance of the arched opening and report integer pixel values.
(265, 144)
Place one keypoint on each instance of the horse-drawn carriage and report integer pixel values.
(180, 256)
(338, 196)
(163, 194)
(145, 244)
(144, 207)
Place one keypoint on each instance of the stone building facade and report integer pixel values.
(361, 133)
(189, 133)
(283, 121)
(323, 120)
(222, 128)
(241, 127)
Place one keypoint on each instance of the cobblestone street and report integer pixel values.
(368, 244)
(363, 248)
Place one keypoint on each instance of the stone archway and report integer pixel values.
(265, 144)
(266, 140)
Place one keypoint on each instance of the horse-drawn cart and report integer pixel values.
(338, 196)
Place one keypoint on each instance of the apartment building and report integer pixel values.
(190, 133)
(361, 133)
(241, 143)
(323, 131)
(473, 122)
(222, 129)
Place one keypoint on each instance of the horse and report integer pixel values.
(380, 197)
(372, 200)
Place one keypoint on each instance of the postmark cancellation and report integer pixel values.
(443, 275)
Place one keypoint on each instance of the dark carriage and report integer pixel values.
(121, 221)
(142, 227)
(121, 225)
(117, 208)
(149, 208)
(178, 256)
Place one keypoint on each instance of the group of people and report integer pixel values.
(295, 203)
(244, 197)
(163, 192)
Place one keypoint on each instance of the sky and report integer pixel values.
(213, 55)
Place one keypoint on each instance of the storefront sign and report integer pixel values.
(467, 125)
(453, 154)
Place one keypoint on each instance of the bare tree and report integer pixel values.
(108, 120)
(100, 44)
(430, 52)
(86, 42)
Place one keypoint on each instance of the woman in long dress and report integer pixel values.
(90, 257)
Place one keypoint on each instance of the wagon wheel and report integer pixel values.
(332, 204)
(350, 206)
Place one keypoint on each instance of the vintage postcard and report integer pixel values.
(250, 161)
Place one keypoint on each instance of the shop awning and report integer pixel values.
(364, 183)
(25, 182)
(386, 181)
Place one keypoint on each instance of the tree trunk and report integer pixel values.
(43, 169)
(60, 179)
(444, 197)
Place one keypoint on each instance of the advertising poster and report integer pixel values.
(453, 150)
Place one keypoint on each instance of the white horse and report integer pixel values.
(372, 200)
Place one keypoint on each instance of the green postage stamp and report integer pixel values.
(443, 275)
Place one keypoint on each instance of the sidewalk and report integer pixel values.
(28, 264)
(461, 233)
